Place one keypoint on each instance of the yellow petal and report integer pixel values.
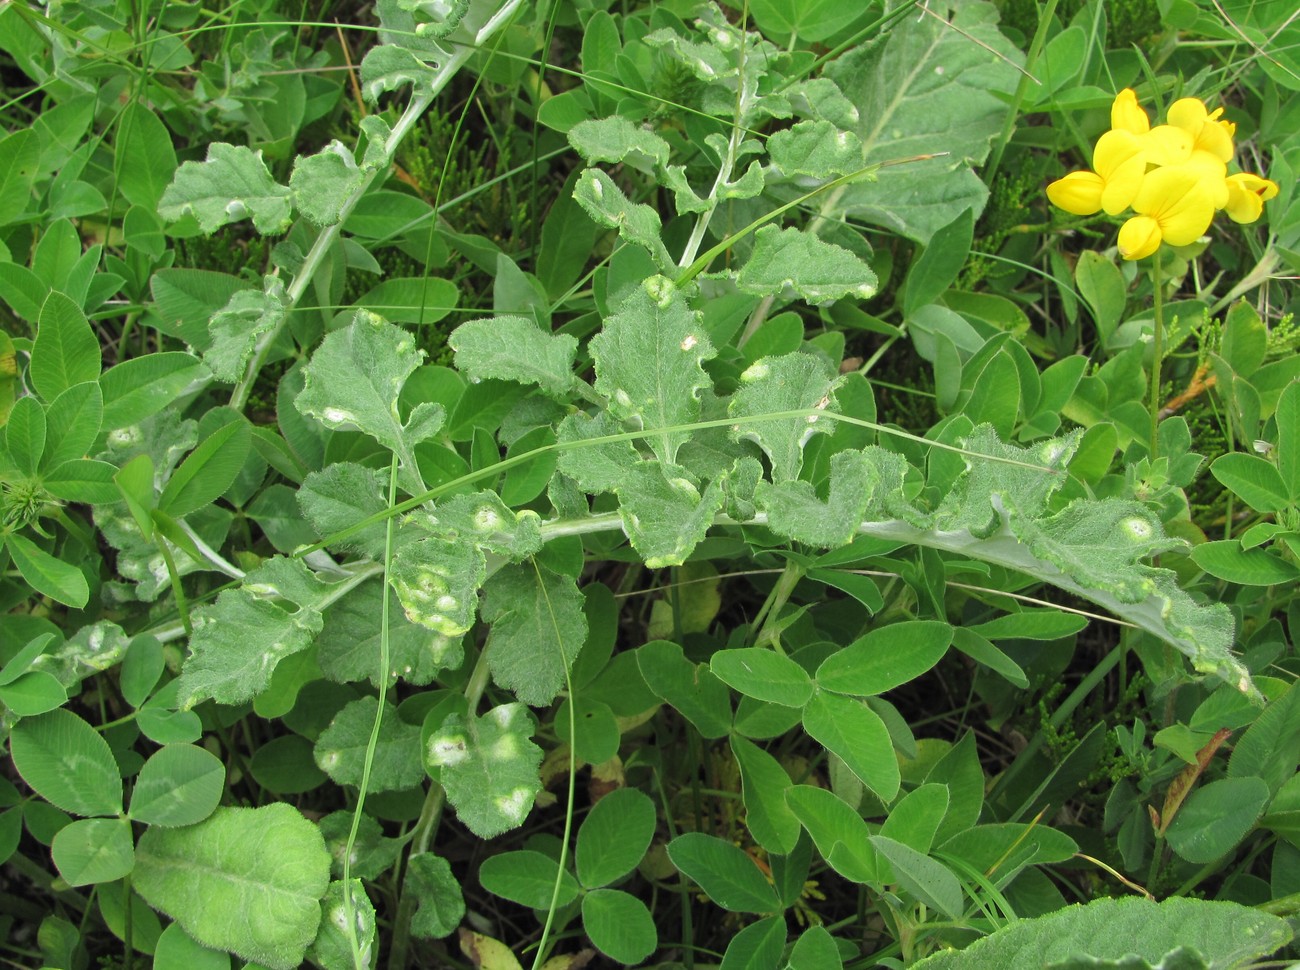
(1243, 207)
(1207, 132)
(1167, 145)
(1125, 114)
(1114, 148)
(1180, 202)
(1139, 237)
(1247, 194)
(1078, 192)
(1121, 186)
(1189, 114)
(1213, 174)
(1216, 140)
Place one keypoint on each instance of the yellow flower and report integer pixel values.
(1120, 163)
(1125, 115)
(1174, 205)
(1209, 134)
(1247, 194)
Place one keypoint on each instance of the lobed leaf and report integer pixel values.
(233, 183)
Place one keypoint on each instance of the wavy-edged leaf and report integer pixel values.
(488, 766)
(232, 183)
(639, 224)
(648, 363)
(538, 629)
(786, 383)
(515, 349)
(813, 268)
(239, 639)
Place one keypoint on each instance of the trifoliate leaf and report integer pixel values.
(388, 67)
(816, 270)
(437, 581)
(664, 514)
(516, 349)
(348, 646)
(615, 138)
(607, 205)
(340, 496)
(323, 183)
(787, 383)
(232, 184)
(442, 906)
(332, 948)
(648, 363)
(240, 638)
(247, 880)
(816, 148)
(488, 767)
(538, 628)
(341, 748)
(794, 510)
(236, 327)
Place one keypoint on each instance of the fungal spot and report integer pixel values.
(487, 520)
(446, 751)
(515, 805)
(755, 372)
(338, 415)
(446, 603)
(1136, 528)
(503, 715)
(597, 189)
(689, 342)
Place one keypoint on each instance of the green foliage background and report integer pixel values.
(490, 483)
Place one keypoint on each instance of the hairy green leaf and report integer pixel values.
(488, 767)
(515, 349)
(538, 628)
(247, 880)
(814, 269)
(233, 183)
(787, 383)
(341, 748)
(648, 363)
(239, 639)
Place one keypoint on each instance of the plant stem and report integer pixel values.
(427, 825)
(1022, 90)
(1157, 352)
(324, 243)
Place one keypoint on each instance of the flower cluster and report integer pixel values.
(1174, 176)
